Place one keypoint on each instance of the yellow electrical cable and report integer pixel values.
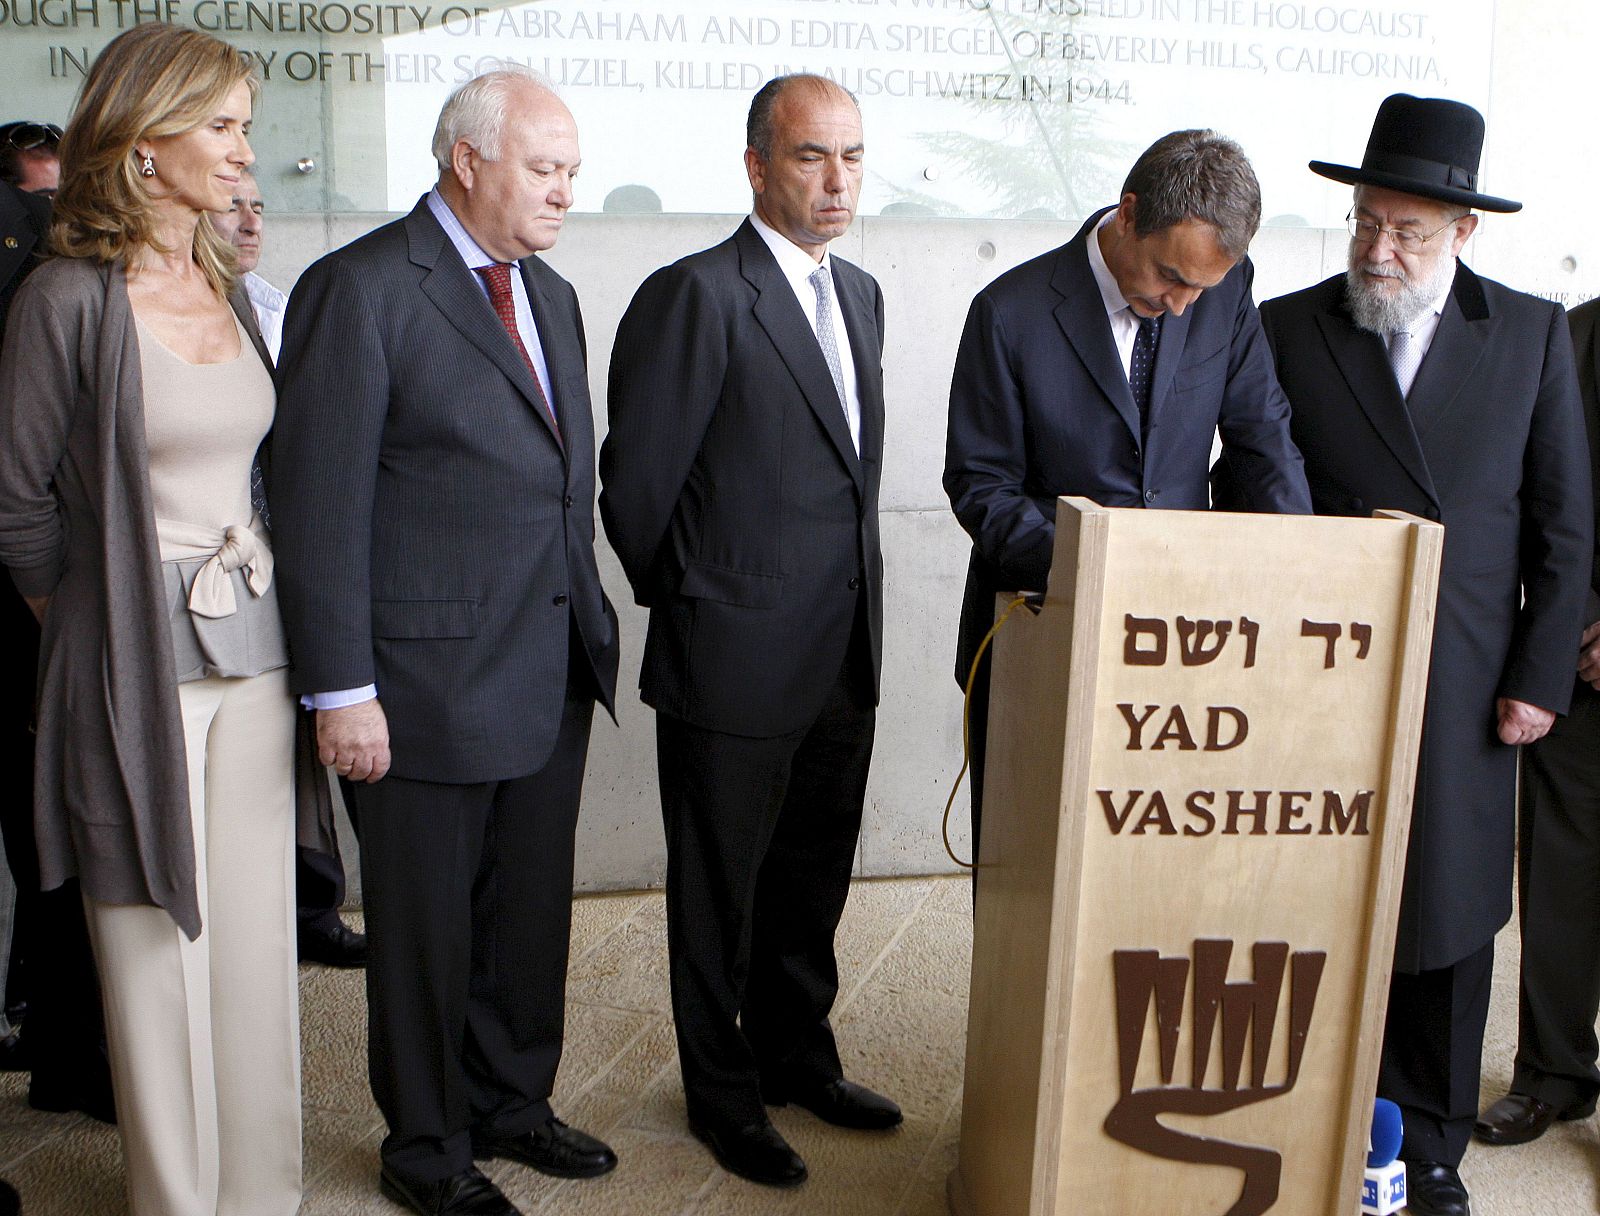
(966, 727)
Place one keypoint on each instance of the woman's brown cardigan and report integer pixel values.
(111, 790)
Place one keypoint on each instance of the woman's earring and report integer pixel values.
(148, 169)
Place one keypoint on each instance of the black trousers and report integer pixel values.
(468, 898)
(761, 841)
(319, 877)
(51, 966)
(1559, 872)
(1432, 1050)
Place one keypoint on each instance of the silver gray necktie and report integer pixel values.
(1404, 356)
(823, 283)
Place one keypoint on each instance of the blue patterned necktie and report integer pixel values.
(1142, 369)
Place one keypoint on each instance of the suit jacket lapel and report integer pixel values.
(1361, 360)
(1464, 333)
(860, 323)
(16, 225)
(563, 360)
(454, 291)
(240, 302)
(778, 312)
(1169, 356)
(1082, 317)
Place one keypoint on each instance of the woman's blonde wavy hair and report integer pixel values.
(154, 80)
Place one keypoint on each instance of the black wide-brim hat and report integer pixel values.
(1428, 146)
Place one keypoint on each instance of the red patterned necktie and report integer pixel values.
(498, 277)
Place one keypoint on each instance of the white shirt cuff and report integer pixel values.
(340, 699)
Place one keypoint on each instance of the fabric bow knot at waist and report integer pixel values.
(234, 548)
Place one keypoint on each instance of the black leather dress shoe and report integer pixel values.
(1519, 1118)
(839, 1102)
(469, 1193)
(553, 1148)
(332, 946)
(10, 1203)
(14, 1053)
(1435, 1189)
(757, 1152)
(54, 1091)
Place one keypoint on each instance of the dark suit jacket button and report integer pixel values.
(1149, 495)
(567, 502)
(559, 601)
(855, 584)
(1137, 454)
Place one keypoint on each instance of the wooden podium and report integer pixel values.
(1201, 758)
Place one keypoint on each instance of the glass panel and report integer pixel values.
(1007, 108)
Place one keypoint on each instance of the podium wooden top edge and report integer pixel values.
(1087, 506)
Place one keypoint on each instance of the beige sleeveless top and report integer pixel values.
(203, 423)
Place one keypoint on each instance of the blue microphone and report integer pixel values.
(1383, 1186)
(1383, 1145)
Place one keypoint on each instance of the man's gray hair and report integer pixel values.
(1196, 175)
(476, 112)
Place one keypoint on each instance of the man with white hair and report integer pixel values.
(1420, 386)
(432, 498)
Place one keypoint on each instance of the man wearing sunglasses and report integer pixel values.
(28, 157)
(1418, 385)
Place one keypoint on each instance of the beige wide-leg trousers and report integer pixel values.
(205, 1035)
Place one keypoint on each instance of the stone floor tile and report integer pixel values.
(335, 1143)
(901, 1026)
(909, 1045)
(933, 956)
(925, 1193)
(655, 1176)
(596, 1037)
(609, 1097)
(876, 913)
(596, 917)
(333, 1040)
(628, 970)
(952, 894)
(851, 1173)
(75, 1172)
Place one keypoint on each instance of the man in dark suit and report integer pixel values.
(24, 220)
(40, 919)
(433, 521)
(30, 156)
(1559, 866)
(1419, 386)
(1104, 369)
(740, 491)
(50, 973)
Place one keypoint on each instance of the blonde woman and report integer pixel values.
(134, 394)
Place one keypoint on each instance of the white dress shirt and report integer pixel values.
(798, 266)
(1124, 321)
(268, 304)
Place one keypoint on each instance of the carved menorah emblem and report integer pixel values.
(1247, 1010)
